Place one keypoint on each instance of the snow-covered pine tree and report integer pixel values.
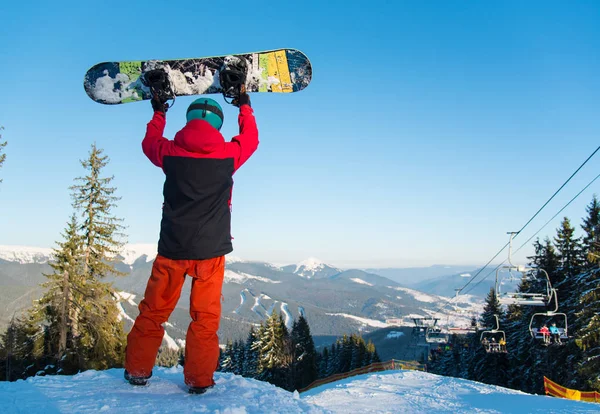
(588, 312)
(591, 239)
(276, 353)
(304, 365)
(334, 359)
(251, 354)
(238, 357)
(571, 259)
(323, 363)
(227, 357)
(588, 337)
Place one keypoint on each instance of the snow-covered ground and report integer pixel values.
(387, 392)
(421, 392)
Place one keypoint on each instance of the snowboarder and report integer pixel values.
(194, 234)
(555, 333)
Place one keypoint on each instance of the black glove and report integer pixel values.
(159, 105)
(243, 99)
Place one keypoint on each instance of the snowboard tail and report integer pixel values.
(279, 71)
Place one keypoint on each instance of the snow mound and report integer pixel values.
(106, 391)
(421, 392)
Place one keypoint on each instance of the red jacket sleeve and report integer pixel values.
(154, 144)
(247, 140)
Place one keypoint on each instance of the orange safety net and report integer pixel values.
(555, 390)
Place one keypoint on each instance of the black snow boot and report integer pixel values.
(199, 390)
(137, 380)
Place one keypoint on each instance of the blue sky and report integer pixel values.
(430, 129)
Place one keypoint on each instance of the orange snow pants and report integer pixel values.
(162, 293)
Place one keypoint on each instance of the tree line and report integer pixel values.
(289, 359)
(76, 324)
(573, 267)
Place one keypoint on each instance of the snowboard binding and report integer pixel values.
(160, 85)
(232, 77)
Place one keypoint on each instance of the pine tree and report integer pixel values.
(94, 199)
(345, 354)
(334, 360)
(64, 291)
(227, 357)
(324, 363)
(588, 338)
(251, 355)
(588, 310)
(372, 354)
(591, 239)
(570, 255)
(491, 368)
(359, 352)
(304, 366)
(96, 326)
(167, 357)
(2, 145)
(276, 353)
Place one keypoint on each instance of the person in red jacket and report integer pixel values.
(194, 235)
(545, 334)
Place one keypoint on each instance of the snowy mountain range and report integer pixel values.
(335, 301)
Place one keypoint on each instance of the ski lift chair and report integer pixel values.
(521, 298)
(545, 318)
(490, 339)
(434, 335)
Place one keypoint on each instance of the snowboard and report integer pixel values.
(280, 71)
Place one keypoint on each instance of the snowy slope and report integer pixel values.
(421, 392)
(389, 392)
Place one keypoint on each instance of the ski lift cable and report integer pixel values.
(540, 229)
(557, 191)
(523, 228)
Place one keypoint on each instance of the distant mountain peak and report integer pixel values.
(25, 254)
(310, 264)
(313, 268)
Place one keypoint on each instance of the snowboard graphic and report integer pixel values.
(283, 70)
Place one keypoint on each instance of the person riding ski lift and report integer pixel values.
(502, 344)
(545, 334)
(555, 333)
(194, 234)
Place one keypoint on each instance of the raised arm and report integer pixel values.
(247, 140)
(154, 144)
